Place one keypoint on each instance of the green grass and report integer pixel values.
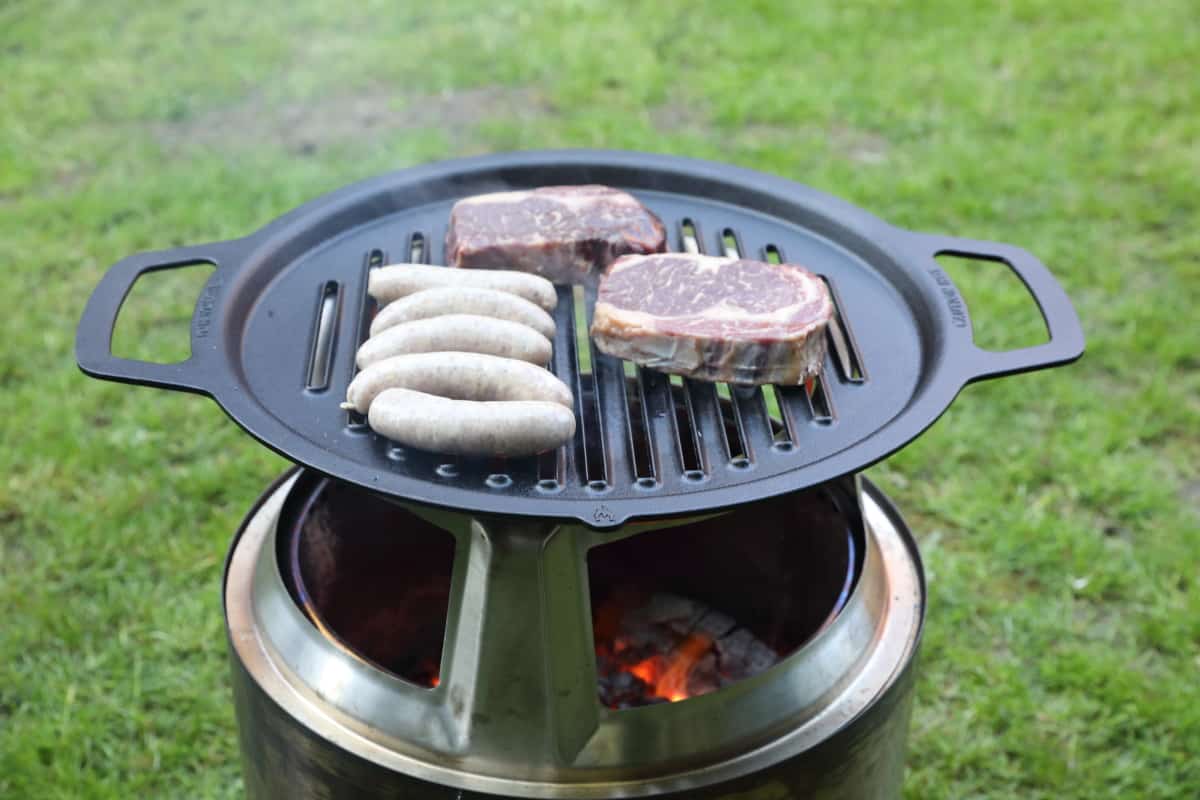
(1058, 513)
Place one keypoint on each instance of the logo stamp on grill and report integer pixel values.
(205, 308)
(954, 301)
(603, 513)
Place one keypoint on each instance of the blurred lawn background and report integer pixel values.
(1058, 512)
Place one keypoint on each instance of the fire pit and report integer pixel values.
(697, 596)
(765, 668)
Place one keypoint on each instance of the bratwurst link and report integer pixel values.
(390, 283)
(464, 300)
(464, 333)
(509, 428)
(458, 376)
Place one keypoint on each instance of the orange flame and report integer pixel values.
(667, 675)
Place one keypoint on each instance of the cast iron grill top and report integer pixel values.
(276, 328)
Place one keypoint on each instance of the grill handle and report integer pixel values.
(93, 338)
(1062, 323)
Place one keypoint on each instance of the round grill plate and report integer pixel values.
(276, 327)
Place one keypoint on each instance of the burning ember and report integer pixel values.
(659, 647)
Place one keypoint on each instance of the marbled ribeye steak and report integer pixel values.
(564, 233)
(715, 319)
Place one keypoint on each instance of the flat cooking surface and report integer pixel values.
(276, 328)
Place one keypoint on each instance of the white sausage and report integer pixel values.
(460, 376)
(462, 427)
(400, 280)
(464, 300)
(469, 333)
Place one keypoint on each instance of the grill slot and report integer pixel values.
(730, 243)
(640, 445)
(320, 355)
(685, 421)
(372, 259)
(564, 362)
(796, 410)
(731, 424)
(689, 236)
(659, 409)
(820, 404)
(550, 469)
(590, 396)
(782, 426)
(754, 423)
(705, 412)
(845, 348)
(418, 253)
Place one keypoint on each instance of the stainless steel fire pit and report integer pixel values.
(515, 712)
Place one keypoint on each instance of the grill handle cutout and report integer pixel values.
(204, 371)
(1062, 323)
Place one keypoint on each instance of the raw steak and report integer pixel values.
(715, 319)
(564, 233)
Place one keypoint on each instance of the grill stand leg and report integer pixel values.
(520, 668)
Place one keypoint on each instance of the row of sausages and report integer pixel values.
(455, 362)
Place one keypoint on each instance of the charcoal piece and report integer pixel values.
(714, 624)
(662, 647)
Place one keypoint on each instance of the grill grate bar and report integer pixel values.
(782, 426)
(564, 364)
(655, 390)
(753, 420)
(685, 422)
(606, 449)
(820, 404)
(707, 423)
(845, 348)
(612, 406)
(795, 409)
(640, 446)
